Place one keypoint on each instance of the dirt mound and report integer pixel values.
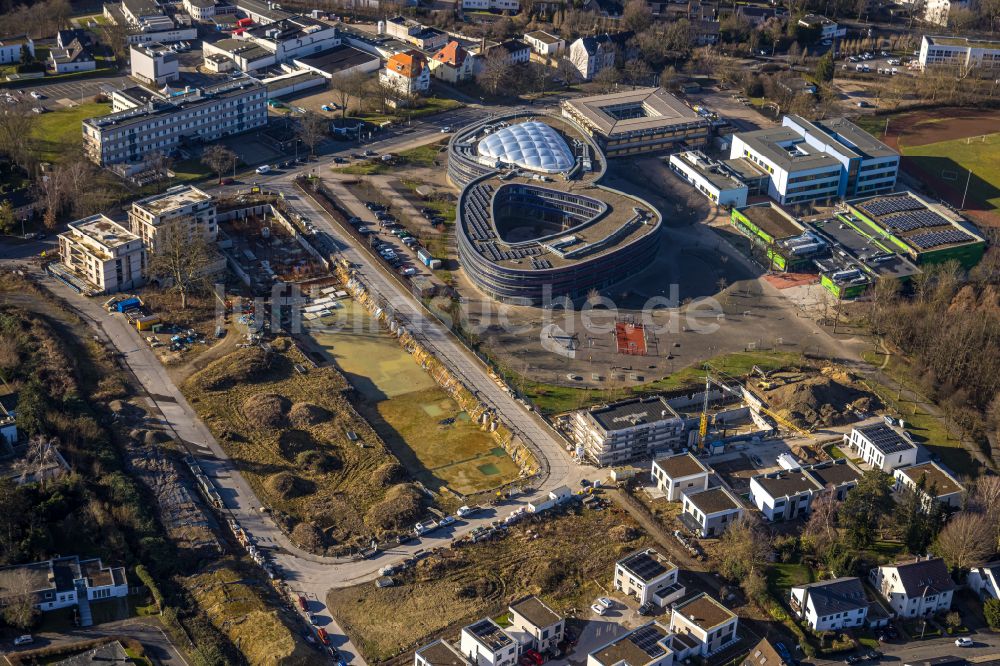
(307, 536)
(303, 414)
(266, 410)
(242, 366)
(623, 533)
(293, 442)
(399, 509)
(388, 473)
(823, 400)
(286, 486)
(317, 461)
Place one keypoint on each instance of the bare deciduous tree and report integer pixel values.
(179, 259)
(19, 610)
(219, 159)
(607, 79)
(967, 540)
(346, 86)
(495, 71)
(16, 122)
(311, 130)
(744, 548)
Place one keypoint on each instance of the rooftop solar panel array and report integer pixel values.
(910, 221)
(885, 439)
(643, 566)
(935, 238)
(886, 205)
(647, 639)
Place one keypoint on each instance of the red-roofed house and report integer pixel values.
(452, 64)
(407, 73)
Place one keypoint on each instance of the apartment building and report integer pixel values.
(545, 44)
(648, 645)
(492, 5)
(932, 481)
(830, 605)
(103, 253)
(590, 55)
(679, 474)
(534, 625)
(914, 589)
(452, 64)
(154, 64)
(789, 494)
(485, 643)
(63, 582)
(11, 49)
(613, 434)
(704, 625)
(407, 73)
(820, 160)
(963, 53)
(184, 204)
(511, 51)
(709, 513)
(649, 577)
(160, 124)
(882, 447)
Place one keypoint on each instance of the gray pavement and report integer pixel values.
(147, 631)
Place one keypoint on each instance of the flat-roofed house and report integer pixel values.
(545, 44)
(882, 447)
(648, 645)
(710, 512)
(985, 580)
(439, 653)
(830, 604)
(649, 577)
(706, 623)
(917, 588)
(486, 644)
(933, 482)
(534, 625)
(679, 474)
(783, 495)
(63, 582)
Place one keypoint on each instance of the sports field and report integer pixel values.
(941, 146)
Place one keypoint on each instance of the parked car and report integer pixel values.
(447, 520)
(598, 609)
(647, 608)
(604, 601)
(964, 641)
(370, 153)
(446, 129)
(264, 168)
(339, 160)
(37, 95)
(26, 639)
(464, 511)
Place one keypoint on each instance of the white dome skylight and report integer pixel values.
(532, 145)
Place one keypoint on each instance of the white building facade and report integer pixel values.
(104, 253)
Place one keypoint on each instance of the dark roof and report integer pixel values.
(489, 634)
(839, 595)
(64, 37)
(510, 46)
(835, 473)
(606, 41)
(534, 611)
(337, 59)
(933, 477)
(110, 653)
(763, 654)
(923, 577)
(632, 412)
(646, 565)
(681, 465)
(636, 648)
(704, 612)
(714, 500)
(885, 439)
(442, 653)
(786, 483)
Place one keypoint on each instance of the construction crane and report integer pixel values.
(709, 380)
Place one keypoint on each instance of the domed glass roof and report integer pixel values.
(532, 145)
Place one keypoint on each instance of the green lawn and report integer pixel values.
(421, 156)
(190, 170)
(56, 131)
(981, 156)
(430, 106)
(552, 399)
(782, 576)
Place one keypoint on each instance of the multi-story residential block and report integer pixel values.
(534, 625)
(592, 54)
(545, 44)
(407, 73)
(453, 64)
(157, 124)
(74, 57)
(12, 49)
(63, 582)
(882, 447)
(439, 653)
(933, 482)
(486, 644)
(648, 645)
(962, 53)
(913, 589)
(104, 253)
(613, 434)
(820, 160)
(828, 30)
(491, 5)
(679, 474)
(154, 64)
(704, 626)
(649, 577)
(985, 580)
(830, 605)
(709, 513)
(184, 204)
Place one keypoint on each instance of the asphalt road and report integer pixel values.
(145, 630)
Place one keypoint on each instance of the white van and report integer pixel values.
(264, 168)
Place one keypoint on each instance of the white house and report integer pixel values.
(709, 513)
(706, 624)
(913, 589)
(882, 447)
(544, 44)
(932, 481)
(11, 49)
(830, 604)
(828, 30)
(649, 577)
(679, 474)
(407, 73)
(534, 625)
(75, 57)
(592, 54)
(511, 51)
(555, 497)
(439, 653)
(63, 582)
(985, 580)
(484, 643)
(453, 64)
(648, 645)
(783, 495)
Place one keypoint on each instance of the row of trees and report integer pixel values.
(36, 19)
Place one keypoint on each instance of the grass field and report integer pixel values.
(57, 132)
(421, 156)
(980, 155)
(552, 399)
(410, 412)
(569, 564)
(782, 576)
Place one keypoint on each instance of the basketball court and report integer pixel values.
(630, 338)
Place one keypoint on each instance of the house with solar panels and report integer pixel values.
(648, 645)
(926, 232)
(882, 447)
(649, 577)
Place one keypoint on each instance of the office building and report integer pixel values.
(965, 54)
(154, 64)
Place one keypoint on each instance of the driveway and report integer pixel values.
(147, 631)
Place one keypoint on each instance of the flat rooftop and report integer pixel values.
(772, 220)
(885, 439)
(788, 149)
(636, 648)
(536, 612)
(489, 634)
(629, 413)
(441, 653)
(103, 230)
(705, 612)
(933, 477)
(875, 255)
(835, 473)
(919, 223)
(711, 170)
(646, 565)
(681, 465)
(786, 483)
(966, 42)
(175, 197)
(714, 500)
(640, 110)
(850, 136)
(543, 37)
(338, 59)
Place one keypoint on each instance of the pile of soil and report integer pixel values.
(304, 414)
(242, 366)
(318, 462)
(399, 509)
(388, 473)
(266, 410)
(307, 536)
(826, 399)
(286, 486)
